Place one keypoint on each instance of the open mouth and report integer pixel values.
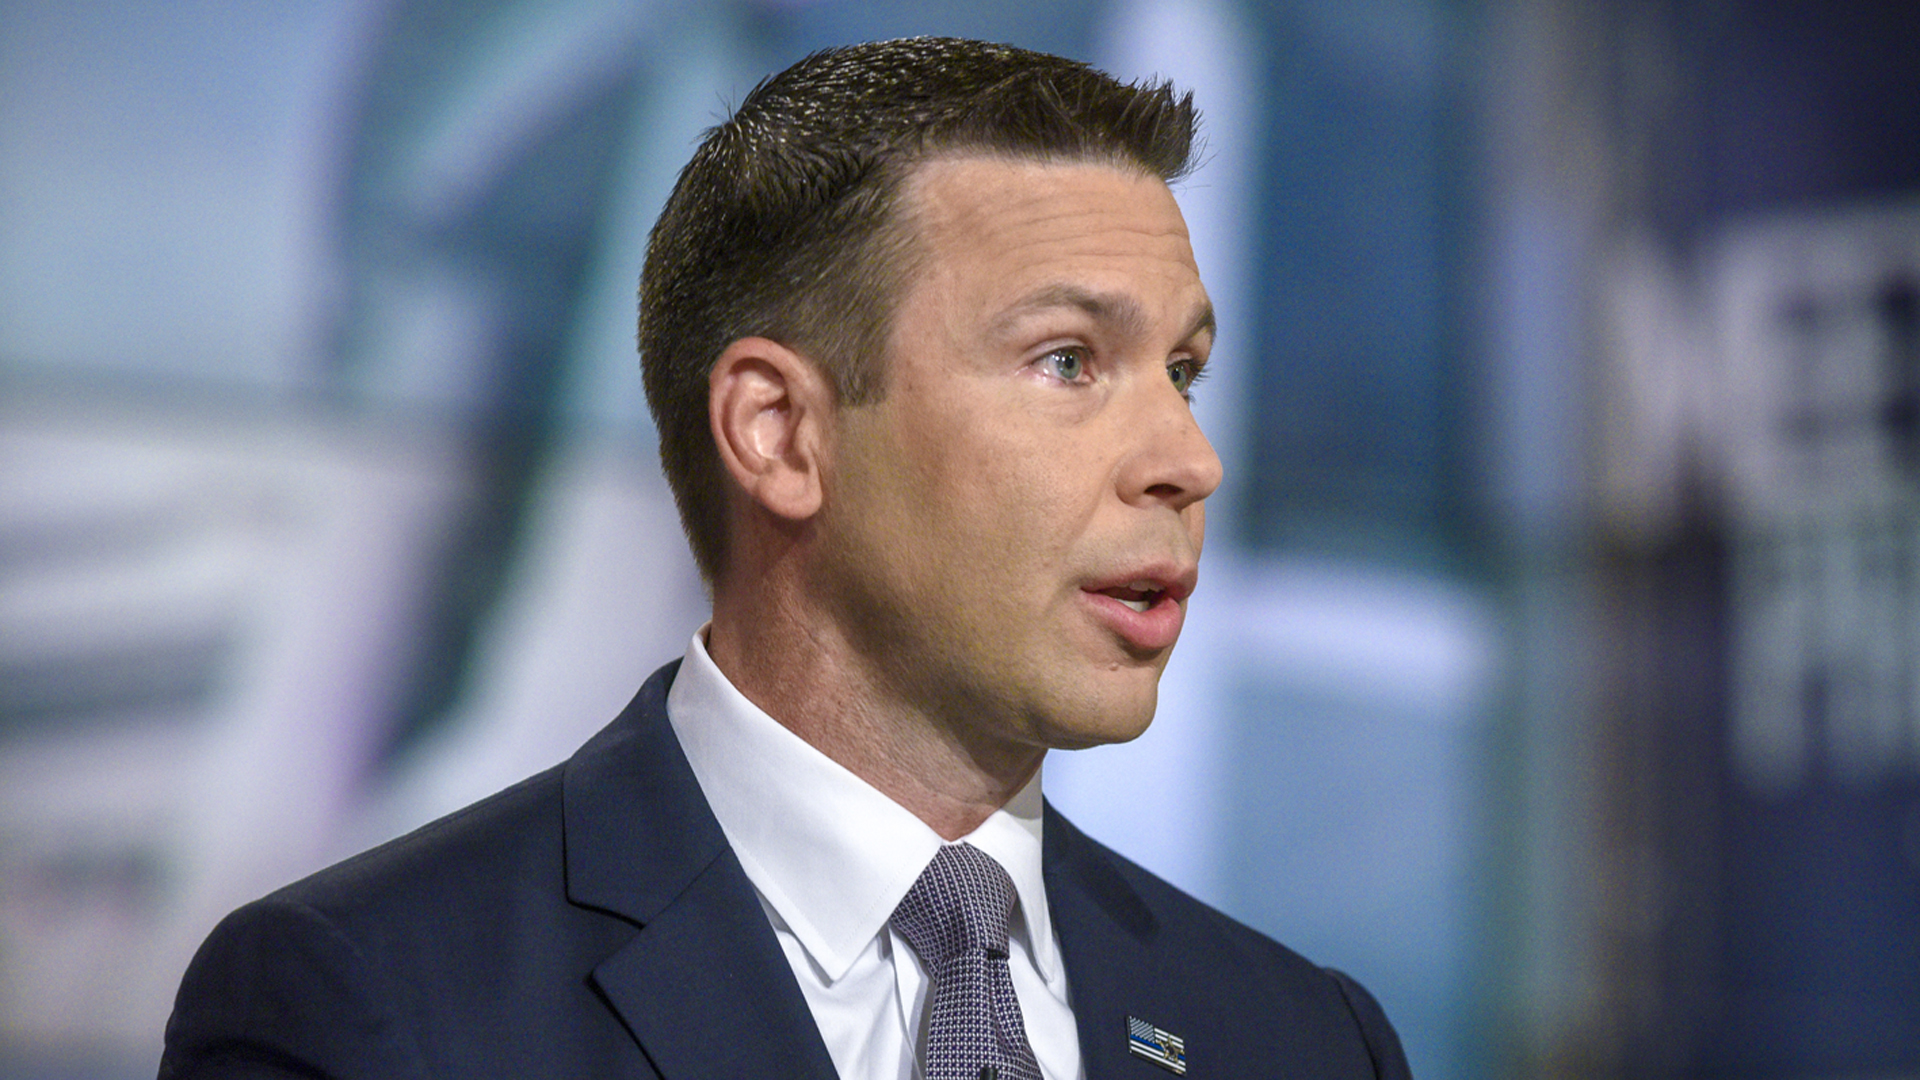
(1154, 603)
(1138, 595)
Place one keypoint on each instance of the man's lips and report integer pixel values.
(1144, 609)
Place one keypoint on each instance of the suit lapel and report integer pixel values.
(1110, 944)
(707, 992)
(702, 984)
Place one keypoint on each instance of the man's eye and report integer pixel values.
(1068, 365)
(1184, 374)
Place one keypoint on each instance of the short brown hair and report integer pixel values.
(783, 225)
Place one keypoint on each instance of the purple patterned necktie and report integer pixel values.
(955, 917)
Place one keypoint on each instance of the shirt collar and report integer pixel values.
(827, 851)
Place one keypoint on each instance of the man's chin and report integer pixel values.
(1115, 723)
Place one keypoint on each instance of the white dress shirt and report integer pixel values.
(831, 857)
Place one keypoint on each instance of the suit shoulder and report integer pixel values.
(1227, 982)
(452, 950)
(1177, 913)
(512, 833)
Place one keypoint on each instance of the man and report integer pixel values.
(919, 328)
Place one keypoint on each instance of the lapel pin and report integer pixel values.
(1163, 1048)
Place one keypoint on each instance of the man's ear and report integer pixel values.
(770, 408)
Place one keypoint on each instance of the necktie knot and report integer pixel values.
(955, 918)
(960, 904)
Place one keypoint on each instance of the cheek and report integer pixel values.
(1030, 517)
(999, 489)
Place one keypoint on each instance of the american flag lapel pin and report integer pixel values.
(1163, 1048)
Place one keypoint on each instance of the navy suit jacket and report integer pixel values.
(592, 921)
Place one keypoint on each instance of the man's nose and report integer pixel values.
(1172, 463)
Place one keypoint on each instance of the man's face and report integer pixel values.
(1010, 533)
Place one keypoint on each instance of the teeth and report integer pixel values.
(1138, 595)
(1144, 594)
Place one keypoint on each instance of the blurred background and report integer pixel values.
(1556, 668)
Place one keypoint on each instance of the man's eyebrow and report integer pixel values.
(1120, 311)
(1203, 324)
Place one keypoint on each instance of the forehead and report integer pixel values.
(987, 205)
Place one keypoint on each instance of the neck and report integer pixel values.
(790, 662)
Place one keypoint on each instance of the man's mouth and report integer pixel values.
(1138, 595)
(1146, 611)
